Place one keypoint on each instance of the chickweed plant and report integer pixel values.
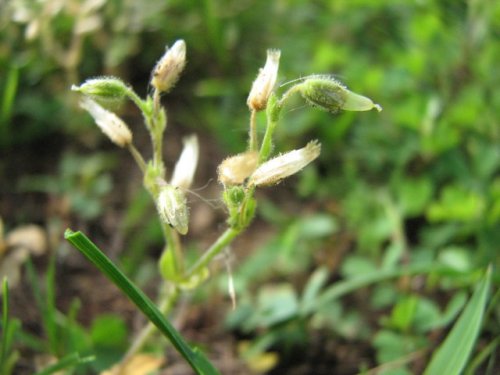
(240, 175)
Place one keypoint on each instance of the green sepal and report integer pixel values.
(103, 89)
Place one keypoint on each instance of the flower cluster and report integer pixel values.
(170, 197)
(248, 170)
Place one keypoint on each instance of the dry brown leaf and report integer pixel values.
(259, 363)
(30, 236)
(140, 364)
(18, 245)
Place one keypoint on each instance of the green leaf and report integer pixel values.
(452, 355)
(195, 358)
(342, 288)
(404, 312)
(276, 304)
(317, 280)
(456, 203)
(108, 331)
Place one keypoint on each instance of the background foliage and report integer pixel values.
(418, 183)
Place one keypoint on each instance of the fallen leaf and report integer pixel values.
(16, 248)
(140, 364)
(31, 237)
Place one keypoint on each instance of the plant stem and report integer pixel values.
(137, 100)
(173, 244)
(137, 157)
(267, 142)
(254, 142)
(219, 245)
(158, 124)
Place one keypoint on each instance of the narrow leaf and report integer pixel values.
(5, 322)
(195, 358)
(452, 355)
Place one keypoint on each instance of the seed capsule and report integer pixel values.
(169, 67)
(329, 94)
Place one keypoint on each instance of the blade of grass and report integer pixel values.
(195, 358)
(50, 304)
(48, 320)
(452, 355)
(5, 323)
(8, 97)
(10, 328)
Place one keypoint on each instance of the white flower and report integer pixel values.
(186, 165)
(110, 124)
(169, 67)
(274, 170)
(265, 81)
(171, 201)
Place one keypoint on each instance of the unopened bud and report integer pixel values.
(169, 67)
(103, 88)
(265, 81)
(186, 165)
(274, 170)
(236, 169)
(330, 95)
(172, 208)
(110, 124)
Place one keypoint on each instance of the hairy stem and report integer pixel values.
(143, 336)
(220, 244)
(254, 142)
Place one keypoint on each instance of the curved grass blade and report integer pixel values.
(195, 358)
(10, 328)
(452, 355)
(5, 322)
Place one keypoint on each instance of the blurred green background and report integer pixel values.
(418, 182)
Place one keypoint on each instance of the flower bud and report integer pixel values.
(110, 124)
(103, 88)
(169, 67)
(265, 81)
(236, 169)
(172, 207)
(186, 165)
(330, 95)
(274, 170)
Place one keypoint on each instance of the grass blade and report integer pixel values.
(5, 323)
(195, 358)
(452, 355)
(45, 307)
